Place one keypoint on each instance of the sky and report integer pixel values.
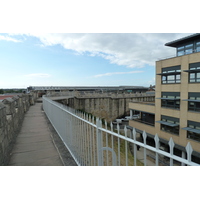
(82, 59)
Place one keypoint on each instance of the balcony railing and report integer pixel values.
(144, 122)
(175, 55)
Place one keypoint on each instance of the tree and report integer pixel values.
(1, 91)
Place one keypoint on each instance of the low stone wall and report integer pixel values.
(12, 112)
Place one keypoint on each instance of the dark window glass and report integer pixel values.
(194, 106)
(192, 135)
(170, 129)
(171, 102)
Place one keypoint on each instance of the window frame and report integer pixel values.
(194, 69)
(192, 135)
(172, 130)
(171, 75)
(165, 103)
(192, 105)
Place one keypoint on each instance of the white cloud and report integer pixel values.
(8, 38)
(38, 75)
(115, 73)
(127, 49)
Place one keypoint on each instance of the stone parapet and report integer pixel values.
(12, 111)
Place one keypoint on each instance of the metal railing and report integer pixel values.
(93, 142)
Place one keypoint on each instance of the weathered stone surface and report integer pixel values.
(106, 106)
(12, 112)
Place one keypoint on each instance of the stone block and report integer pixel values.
(10, 105)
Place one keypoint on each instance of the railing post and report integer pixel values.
(135, 149)
(157, 148)
(145, 152)
(99, 144)
(189, 152)
(171, 149)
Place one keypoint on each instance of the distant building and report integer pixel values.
(114, 89)
(176, 112)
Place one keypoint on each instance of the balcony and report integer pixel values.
(143, 106)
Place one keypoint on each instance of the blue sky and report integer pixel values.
(81, 59)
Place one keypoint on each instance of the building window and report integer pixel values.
(197, 46)
(194, 72)
(185, 49)
(169, 124)
(170, 100)
(194, 101)
(171, 75)
(144, 117)
(193, 130)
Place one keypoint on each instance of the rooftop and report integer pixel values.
(5, 96)
(186, 39)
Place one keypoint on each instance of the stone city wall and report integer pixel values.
(12, 111)
(108, 108)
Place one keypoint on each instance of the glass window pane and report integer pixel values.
(180, 53)
(192, 75)
(198, 75)
(189, 45)
(180, 48)
(198, 49)
(178, 76)
(188, 51)
(171, 77)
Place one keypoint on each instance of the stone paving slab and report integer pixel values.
(34, 145)
(22, 147)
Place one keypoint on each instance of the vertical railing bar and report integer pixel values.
(126, 147)
(157, 148)
(118, 142)
(102, 137)
(134, 147)
(98, 143)
(85, 140)
(94, 143)
(82, 141)
(112, 146)
(91, 147)
(106, 127)
(89, 143)
(145, 150)
(171, 149)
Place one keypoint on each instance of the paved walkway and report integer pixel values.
(35, 145)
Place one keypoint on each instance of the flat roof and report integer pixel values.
(5, 96)
(186, 39)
